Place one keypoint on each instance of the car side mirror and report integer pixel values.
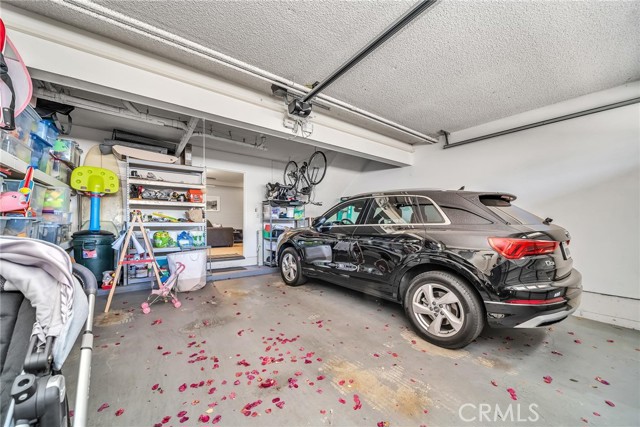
(318, 222)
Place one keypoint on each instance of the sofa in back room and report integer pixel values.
(219, 236)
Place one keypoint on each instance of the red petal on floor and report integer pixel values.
(232, 395)
(547, 379)
(557, 353)
(584, 420)
(267, 411)
(182, 388)
(376, 355)
(119, 412)
(204, 418)
(596, 414)
(166, 353)
(216, 419)
(103, 407)
(319, 391)
(394, 354)
(268, 383)
(356, 400)
(236, 382)
(350, 381)
(605, 382)
(512, 392)
(211, 390)
(610, 341)
(184, 419)
(275, 399)
(322, 411)
(610, 403)
(280, 404)
(156, 322)
(341, 382)
(577, 341)
(494, 383)
(182, 414)
(320, 377)
(297, 374)
(341, 400)
(155, 386)
(166, 419)
(159, 347)
(224, 382)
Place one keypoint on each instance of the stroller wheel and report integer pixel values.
(177, 304)
(146, 310)
(144, 305)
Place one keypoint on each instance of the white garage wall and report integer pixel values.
(584, 173)
(231, 212)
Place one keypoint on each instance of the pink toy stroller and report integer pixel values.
(165, 291)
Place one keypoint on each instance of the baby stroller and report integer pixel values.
(165, 291)
(44, 303)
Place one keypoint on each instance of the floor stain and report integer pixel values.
(419, 344)
(113, 317)
(235, 293)
(391, 396)
(202, 324)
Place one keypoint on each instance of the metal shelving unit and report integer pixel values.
(177, 177)
(269, 244)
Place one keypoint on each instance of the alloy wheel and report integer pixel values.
(289, 267)
(438, 310)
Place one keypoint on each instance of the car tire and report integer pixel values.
(290, 265)
(453, 324)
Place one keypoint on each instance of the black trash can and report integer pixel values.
(94, 251)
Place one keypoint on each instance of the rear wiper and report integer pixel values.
(547, 221)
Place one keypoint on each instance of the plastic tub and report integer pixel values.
(14, 146)
(67, 149)
(40, 157)
(48, 131)
(26, 122)
(18, 226)
(60, 171)
(50, 232)
(37, 198)
(57, 199)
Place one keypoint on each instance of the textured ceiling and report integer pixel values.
(459, 65)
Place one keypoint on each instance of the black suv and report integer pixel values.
(455, 260)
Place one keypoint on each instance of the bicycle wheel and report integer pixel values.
(291, 173)
(317, 167)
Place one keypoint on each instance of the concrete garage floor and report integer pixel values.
(324, 345)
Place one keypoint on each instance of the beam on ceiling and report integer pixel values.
(385, 35)
(191, 126)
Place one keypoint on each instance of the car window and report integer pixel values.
(462, 216)
(428, 211)
(394, 210)
(347, 213)
(515, 215)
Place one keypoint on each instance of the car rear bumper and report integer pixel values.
(505, 315)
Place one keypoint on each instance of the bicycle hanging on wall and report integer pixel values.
(299, 181)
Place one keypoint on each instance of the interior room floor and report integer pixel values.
(253, 351)
(225, 251)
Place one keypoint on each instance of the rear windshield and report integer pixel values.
(514, 215)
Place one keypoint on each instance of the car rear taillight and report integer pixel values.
(535, 301)
(519, 248)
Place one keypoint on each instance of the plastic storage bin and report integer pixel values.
(53, 233)
(60, 171)
(68, 150)
(40, 157)
(26, 122)
(18, 226)
(14, 146)
(57, 198)
(48, 131)
(37, 198)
